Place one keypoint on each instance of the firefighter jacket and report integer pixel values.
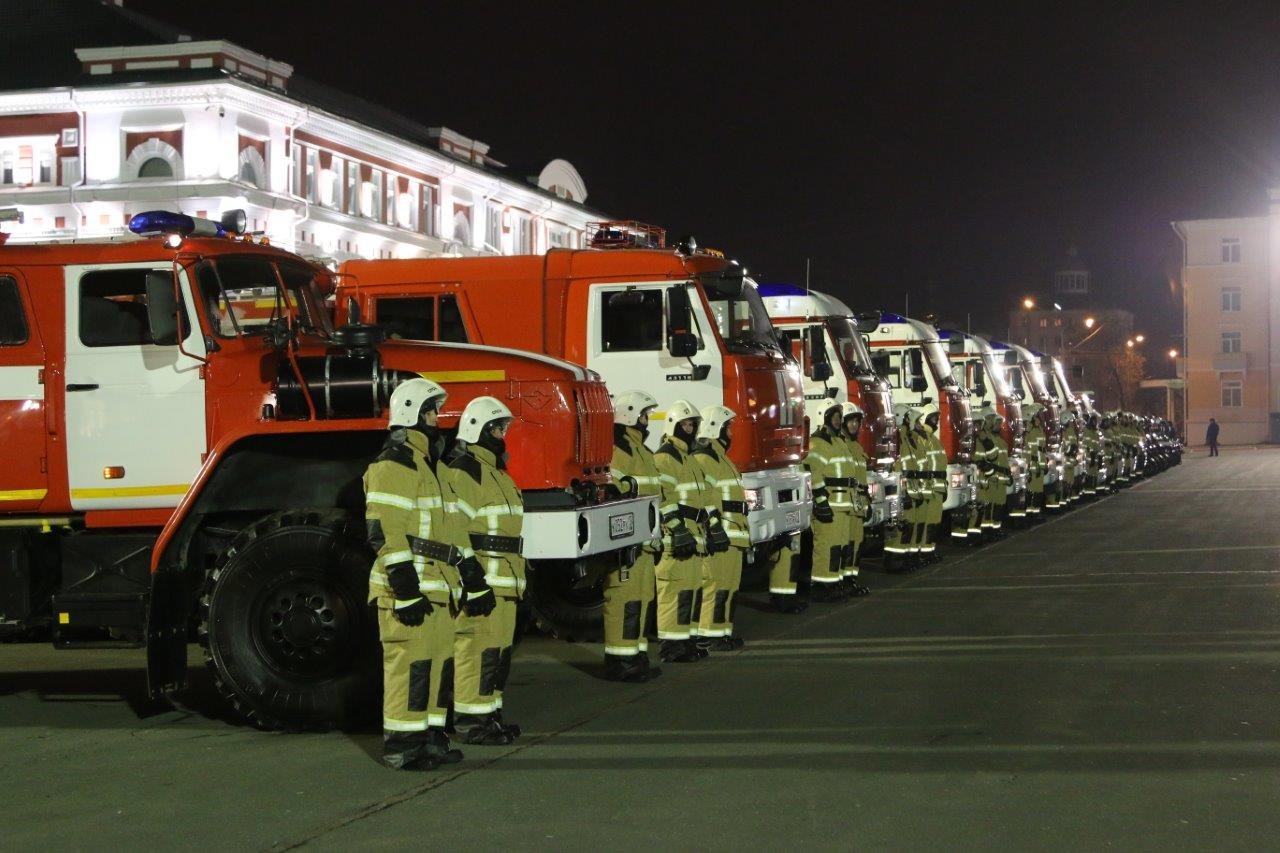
(409, 522)
(992, 455)
(832, 469)
(935, 462)
(490, 506)
(858, 471)
(632, 459)
(722, 477)
(1034, 442)
(912, 457)
(686, 497)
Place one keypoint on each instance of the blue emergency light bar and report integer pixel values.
(886, 317)
(781, 290)
(167, 222)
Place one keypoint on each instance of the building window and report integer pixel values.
(493, 228)
(373, 209)
(559, 237)
(1230, 299)
(353, 189)
(523, 236)
(631, 321)
(1232, 394)
(389, 202)
(1231, 342)
(6, 167)
(312, 173)
(1057, 323)
(70, 171)
(1044, 323)
(430, 207)
(155, 167)
(1231, 250)
(13, 322)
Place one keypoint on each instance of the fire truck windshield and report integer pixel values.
(1036, 377)
(850, 347)
(740, 315)
(243, 295)
(996, 376)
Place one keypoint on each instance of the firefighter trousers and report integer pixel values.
(417, 672)
(856, 535)
(628, 595)
(677, 580)
(829, 540)
(898, 539)
(482, 657)
(713, 601)
(782, 579)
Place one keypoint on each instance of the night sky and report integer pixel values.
(953, 156)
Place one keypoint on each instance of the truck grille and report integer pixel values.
(595, 424)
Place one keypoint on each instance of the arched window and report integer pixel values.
(462, 228)
(155, 167)
(253, 168)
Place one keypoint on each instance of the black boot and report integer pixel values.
(856, 589)
(484, 730)
(632, 669)
(407, 751)
(438, 747)
(510, 728)
(678, 651)
(789, 604)
(726, 644)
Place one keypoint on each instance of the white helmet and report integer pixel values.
(900, 410)
(920, 411)
(409, 397)
(479, 414)
(714, 419)
(680, 410)
(630, 406)
(849, 408)
(825, 412)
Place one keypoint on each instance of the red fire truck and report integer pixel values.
(185, 433)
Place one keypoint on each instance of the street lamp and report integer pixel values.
(1088, 322)
(1139, 338)
(1028, 303)
(1173, 353)
(1129, 343)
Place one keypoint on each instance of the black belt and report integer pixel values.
(693, 513)
(734, 506)
(926, 475)
(506, 544)
(839, 482)
(449, 554)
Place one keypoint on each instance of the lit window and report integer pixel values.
(1232, 394)
(1232, 343)
(1230, 299)
(493, 227)
(427, 221)
(6, 167)
(353, 188)
(523, 236)
(1231, 250)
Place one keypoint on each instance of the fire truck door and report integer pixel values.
(626, 334)
(24, 472)
(135, 411)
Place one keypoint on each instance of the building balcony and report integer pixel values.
(1231, 361)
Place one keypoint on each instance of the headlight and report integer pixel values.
(956, 479)
(873, 489)
(753, 499)
(808, 491)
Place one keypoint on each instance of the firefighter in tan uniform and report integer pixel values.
(935, 482)
(784, 591)
(1034, 442)
(686, 521)
(828, 463)
(414, 582)
(493, 580)
(629, 592)
(851, 427)
(900, 543)
(722, 569)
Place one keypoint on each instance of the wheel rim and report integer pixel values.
(306, 626)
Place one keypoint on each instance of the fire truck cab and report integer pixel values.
(830, 343)
(982, 372)
(1027, 379)
(677, 325)
(186, 433)
(912, 356)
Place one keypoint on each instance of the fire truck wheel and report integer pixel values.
(286, 626)
(563, 608)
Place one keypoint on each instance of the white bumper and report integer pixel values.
(886, 497)
(962, 488)
(578, 532)
(782, 505)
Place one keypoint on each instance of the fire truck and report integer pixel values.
(981, 371)
(678, 324)
(910, 354)
(1027, 379)
(186, 433)
(829, 342)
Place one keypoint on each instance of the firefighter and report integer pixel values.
(934, 484)
(1034, 442)
(1093, 452)
(828, 464)
(852, 416)
(414, 582)
(688, 535)
(1070, 447)
(629, 591)
(722, 570)
(900, 542)
(993, 423)
(493, 579)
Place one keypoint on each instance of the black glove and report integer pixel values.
(629, 486)
(412, 613)
(717, 539)
(479, 603)
(478, 598)
(683, 545)
(824, 513)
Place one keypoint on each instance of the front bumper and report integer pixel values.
(886, 502)
(962, 488)
(574, 533)
(783, 502)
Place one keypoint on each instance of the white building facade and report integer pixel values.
(205, 127)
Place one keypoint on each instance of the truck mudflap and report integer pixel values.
(962, 488)
(169, 608)
(886, 500)
(573, 533)
(780, 501)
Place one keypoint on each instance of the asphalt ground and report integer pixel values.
(1107, 679)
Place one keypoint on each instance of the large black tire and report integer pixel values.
(286, 625)
(562, 608)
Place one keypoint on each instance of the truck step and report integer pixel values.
(98, 620)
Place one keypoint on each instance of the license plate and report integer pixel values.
(793, 518)
(622, 526)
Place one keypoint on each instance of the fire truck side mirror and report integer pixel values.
(681, 341)
(1010, 357)
(818, 365)
(162, 307)
(979, 380)
(919, 384)
(881, 364)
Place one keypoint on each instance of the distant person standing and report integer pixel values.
(1211, 437)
